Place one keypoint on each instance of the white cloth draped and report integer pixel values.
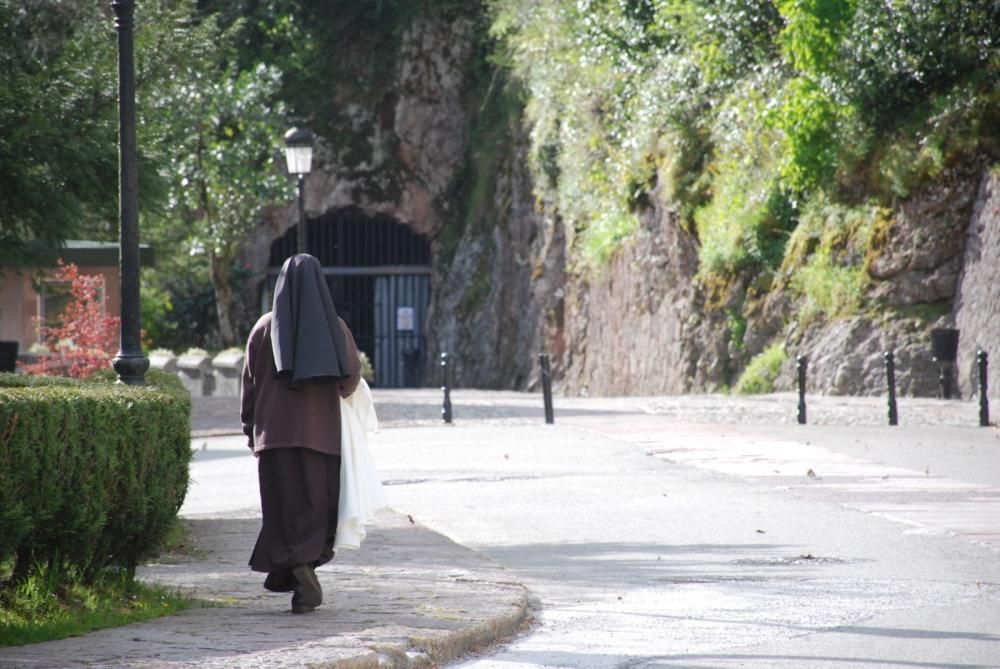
(361, 493)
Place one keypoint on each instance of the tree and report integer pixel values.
(209, 127)
(58, 155)
(87, 339)
(225, 132)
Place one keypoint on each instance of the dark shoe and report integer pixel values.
(280, 581)
(298, 606)
(308, 589)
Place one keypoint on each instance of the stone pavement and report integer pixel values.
(408, 598)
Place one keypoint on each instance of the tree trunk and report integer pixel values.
(223, 297)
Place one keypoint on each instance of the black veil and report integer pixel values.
(306, 338)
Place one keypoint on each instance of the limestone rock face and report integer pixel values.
(499, 302)
(639, 327)
(413, 141)
(502, 291)
(977, 301)
(847, 357)
(918, 265)
(396, 156)
(920, 258)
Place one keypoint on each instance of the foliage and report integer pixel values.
(826, 257)
(191, 319)
(367, 372)
(87, 339)
(739, 113)
(59, 115)
(897, 55)
(91, 474)
(225, 132)
(227, 138)
(209, 124)
(156, 309)
(58, 155)
(830, 289)
(760, 375)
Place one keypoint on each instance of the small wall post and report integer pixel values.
(801, 363)
(984, 401)
(543, 360)
(446, 404)
(890, 377)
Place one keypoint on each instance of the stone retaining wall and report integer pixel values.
(203, 375)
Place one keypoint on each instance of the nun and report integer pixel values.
(300, 361)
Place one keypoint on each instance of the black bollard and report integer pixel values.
(984, 401)
(890, 377)
(801, 362)
(543, 360)
(446, 405)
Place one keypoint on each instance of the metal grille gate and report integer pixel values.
(379, 275)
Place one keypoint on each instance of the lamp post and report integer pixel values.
(130, 363)
(298, 155)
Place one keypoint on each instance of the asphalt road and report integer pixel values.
(653, 543)
(650, 540)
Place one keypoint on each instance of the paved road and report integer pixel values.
(651, 542)
(712, 531)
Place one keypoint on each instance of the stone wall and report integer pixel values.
(642, 327)
(914, 272)
(639, 326)
(977, 301)
(499, 302)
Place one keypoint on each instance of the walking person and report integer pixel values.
(300, 361)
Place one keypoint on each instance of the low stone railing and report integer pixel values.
(202, 374)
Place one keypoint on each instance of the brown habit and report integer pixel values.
(296, 433)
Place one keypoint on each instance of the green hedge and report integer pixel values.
(92, 474)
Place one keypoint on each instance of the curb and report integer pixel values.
(420, 651)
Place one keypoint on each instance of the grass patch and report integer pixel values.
(830, 289)
(47, 606)
(762, 372)
(605, 235)
(828, 253)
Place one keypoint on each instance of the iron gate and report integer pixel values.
(378, 272)
(400, 312)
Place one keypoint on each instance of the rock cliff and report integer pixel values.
(442, 150)
(977, 299)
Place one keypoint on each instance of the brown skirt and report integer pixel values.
(299, 491)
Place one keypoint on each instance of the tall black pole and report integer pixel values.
(543, 360)
(890, 379)
(446, 389)
(984, 401)
(302, 214)
(801, 363)
(130, 363)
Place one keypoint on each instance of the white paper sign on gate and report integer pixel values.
(404, 319)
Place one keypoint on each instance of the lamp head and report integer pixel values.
(298, 150)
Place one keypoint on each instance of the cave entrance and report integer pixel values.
(378, 271)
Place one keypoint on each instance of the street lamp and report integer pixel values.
(130, 363)
(298, 155)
